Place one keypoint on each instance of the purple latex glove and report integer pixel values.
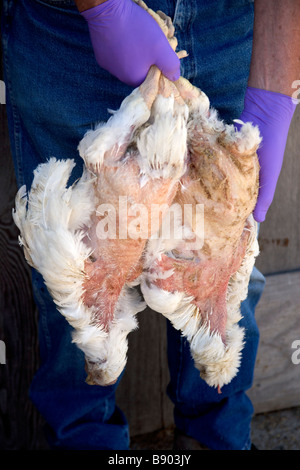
(127, 41)
(272, 113)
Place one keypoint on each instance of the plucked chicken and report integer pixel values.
(94, 241)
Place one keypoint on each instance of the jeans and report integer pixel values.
(56, 92)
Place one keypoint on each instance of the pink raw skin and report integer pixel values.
(116, 261)
(206, 280)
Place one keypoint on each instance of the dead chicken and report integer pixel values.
(96, 240)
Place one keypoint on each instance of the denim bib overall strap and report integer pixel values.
(56, 92)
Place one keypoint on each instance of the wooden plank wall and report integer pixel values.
(141, 394)
(277, 373)
(19, 421)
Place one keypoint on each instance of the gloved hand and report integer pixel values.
(127, 41)
(272, 113)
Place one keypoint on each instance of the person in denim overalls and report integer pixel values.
(56, 91)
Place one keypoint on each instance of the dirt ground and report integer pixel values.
(279, 430)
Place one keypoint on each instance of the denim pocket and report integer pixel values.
(58, 3)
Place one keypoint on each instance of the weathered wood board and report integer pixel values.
(19, 421)
(277, 373)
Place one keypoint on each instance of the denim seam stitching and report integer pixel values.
(16, 118)
(179, 370)
(42, 315)
(59, 5)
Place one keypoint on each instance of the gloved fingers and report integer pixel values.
(169, 65)
(265, 198)
(270, 156)
(272, 112)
